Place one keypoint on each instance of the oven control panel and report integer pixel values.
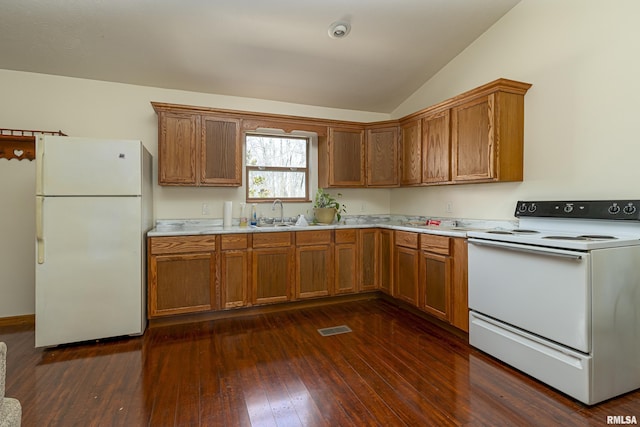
(593, 209)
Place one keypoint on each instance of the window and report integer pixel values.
(277, 167)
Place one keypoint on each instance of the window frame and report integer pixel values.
(249, 168)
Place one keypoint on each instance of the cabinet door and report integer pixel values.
(271, 275)
(435, 285)
(411, 153)
(314, 272)
(221, 152)
(472, 140)
(385, 261)
(182, 283)
(368, 247)
(178, 149)
(346, 263)
(436, 149)
(234, 267)
(382, 157)
(406, 280)
(459, 285)
(346, 158)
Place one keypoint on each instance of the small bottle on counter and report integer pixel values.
(254, 214)
(243, 215)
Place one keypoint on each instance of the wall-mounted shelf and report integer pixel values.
(20, 144)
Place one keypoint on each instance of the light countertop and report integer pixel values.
(447, 226)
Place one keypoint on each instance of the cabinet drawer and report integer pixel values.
(346, 236)
(233, 241)
(182, 244)
(271, 240)
(407, 239)
(435, 244)
(316, 237)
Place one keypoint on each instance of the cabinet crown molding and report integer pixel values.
(253, 120)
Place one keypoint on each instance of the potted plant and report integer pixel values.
(326, 207)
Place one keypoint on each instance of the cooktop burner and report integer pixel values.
(565, 237)
(581, 237)
(516, 231)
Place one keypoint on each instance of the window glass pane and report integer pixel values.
(276, 151)
(276, 184)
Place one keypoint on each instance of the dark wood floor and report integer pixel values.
(394, 369)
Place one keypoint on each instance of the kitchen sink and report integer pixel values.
(276, 225)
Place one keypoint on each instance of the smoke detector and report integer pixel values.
(339, 29)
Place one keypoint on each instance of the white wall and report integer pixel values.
(581, 114)
(99, 109)
(17, 219)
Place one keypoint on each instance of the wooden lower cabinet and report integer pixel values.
(385, 261)
(314, 264)
(435, 276)
(346, 261)
(406, 281)
(435, 285)
(427, 271)
(272, 260)
(182, 275)
(459, 285)
(406, 266)
(271, 275)
(313, 271)
(235, 263)
(368, 252)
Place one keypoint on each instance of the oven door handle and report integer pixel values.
(527, 249)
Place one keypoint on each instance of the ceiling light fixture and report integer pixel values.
(339, 29)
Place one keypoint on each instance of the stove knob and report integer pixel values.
(614, 209)
(630, 209)
(568, 208)
(533, 208)
(522, 207)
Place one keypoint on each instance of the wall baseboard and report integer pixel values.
(27, 319)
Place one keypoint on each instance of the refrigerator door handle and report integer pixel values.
(39, 165)
(40, 228)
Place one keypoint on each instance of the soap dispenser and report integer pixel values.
(254, 214)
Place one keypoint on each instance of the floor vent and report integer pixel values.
(327, 332)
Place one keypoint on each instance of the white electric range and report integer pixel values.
(559, 297)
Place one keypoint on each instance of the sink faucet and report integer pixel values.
(273, 208)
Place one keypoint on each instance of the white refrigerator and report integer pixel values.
(93, 209)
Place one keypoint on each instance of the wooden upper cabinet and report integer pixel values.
(436, 148)
(382, 157)
(477, 136)
(487, 135)
(346, 158)
(221, 152)
(197, 149)
(411, 153)
(177, 148)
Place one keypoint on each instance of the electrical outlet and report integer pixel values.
(449, 207)
(205, 209)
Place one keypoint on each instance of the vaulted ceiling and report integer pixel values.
(268, 49)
